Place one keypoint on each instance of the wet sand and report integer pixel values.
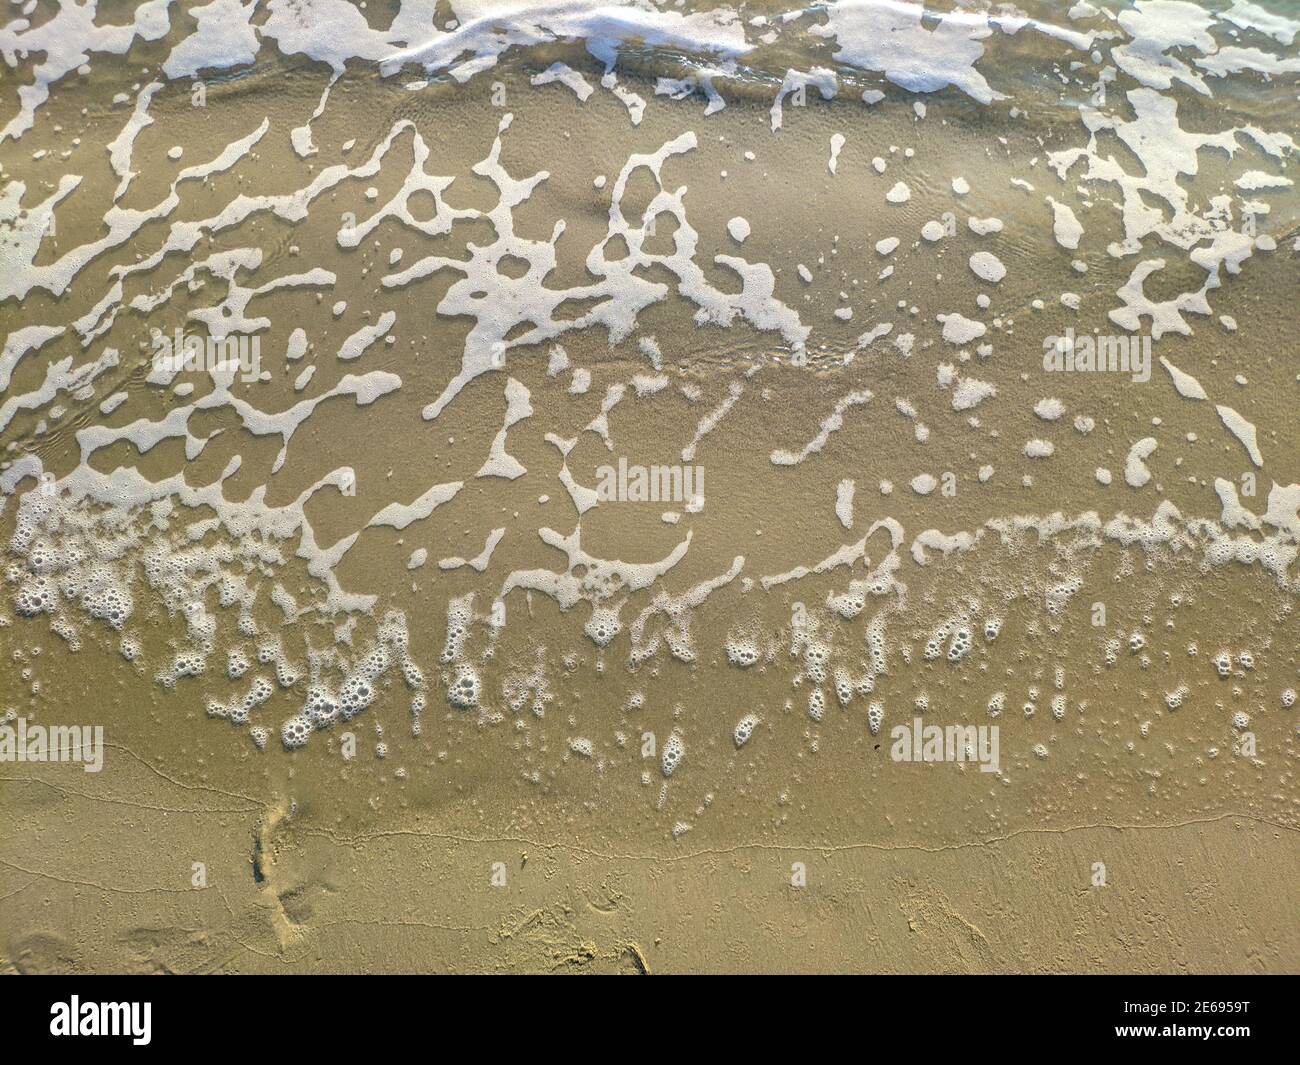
(1143, 817)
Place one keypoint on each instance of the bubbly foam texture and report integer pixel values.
(666, 316)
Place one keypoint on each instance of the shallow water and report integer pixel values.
(371, 561)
